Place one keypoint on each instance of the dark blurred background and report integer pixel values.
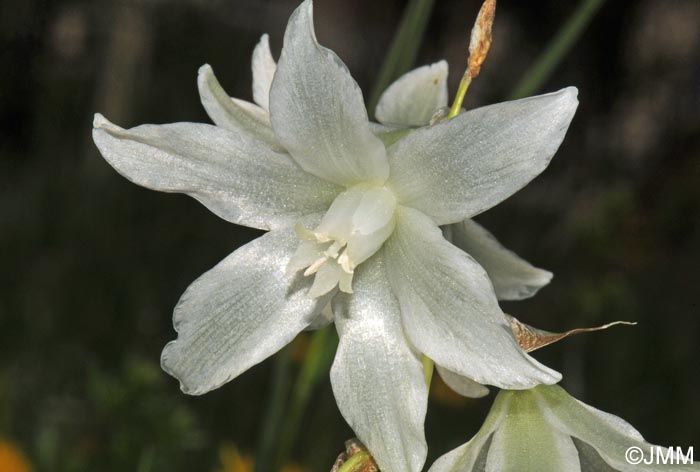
(92, 266)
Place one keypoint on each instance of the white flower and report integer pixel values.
(348, 212)
(546, 429)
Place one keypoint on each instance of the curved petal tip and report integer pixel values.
(204, 69)
(99, 121)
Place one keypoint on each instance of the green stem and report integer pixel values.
(281, 380)
(146, 460)
(318, 361)
(355, 461)
(557, 49)
(403, 49)
(428, 367)
(459, 98)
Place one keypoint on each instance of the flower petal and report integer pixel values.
(462, 385)
(513, 278)
(414, 97)
(323, 319)
(590, 459)
(233, 114)
(449, 310)
(461, 167)
(239, 313)
(608, 434)
(263, 71)
(237, 177)
(525, 440)
(317, 110)
(389, 134)
(377, 378)
(471, 456)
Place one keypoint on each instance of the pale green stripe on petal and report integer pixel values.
(239, 313)
(461, 167)
(237, 177)
(377, 377)
(318, 113)
(449, 310)
(525, 442)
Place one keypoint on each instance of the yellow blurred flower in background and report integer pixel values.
(233, 461)
(12, 459)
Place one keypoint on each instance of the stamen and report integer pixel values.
(356, 225)
(345, 262)
(313, 268)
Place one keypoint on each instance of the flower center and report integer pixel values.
(355, 226)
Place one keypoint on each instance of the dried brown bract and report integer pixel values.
(531, 338)
(353, 447)
(481, 37)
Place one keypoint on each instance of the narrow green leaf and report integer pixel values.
(403, 49)
(560, 45)
(275, 411)
(316, 366)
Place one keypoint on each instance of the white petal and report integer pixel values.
(449, 310)
(263, 71)
(377, 378)
(513, 278)
(609, 435)
(237, 177)
(461, 167)
(470, 457)
(323, 319)
(306, 254)
(590, 459)
(389, 134)
(257, 114)
(239, 313)
(462, 385)
(233, 114)
(317, 110)
(326, 279)
(414, 97)
(525, 441)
